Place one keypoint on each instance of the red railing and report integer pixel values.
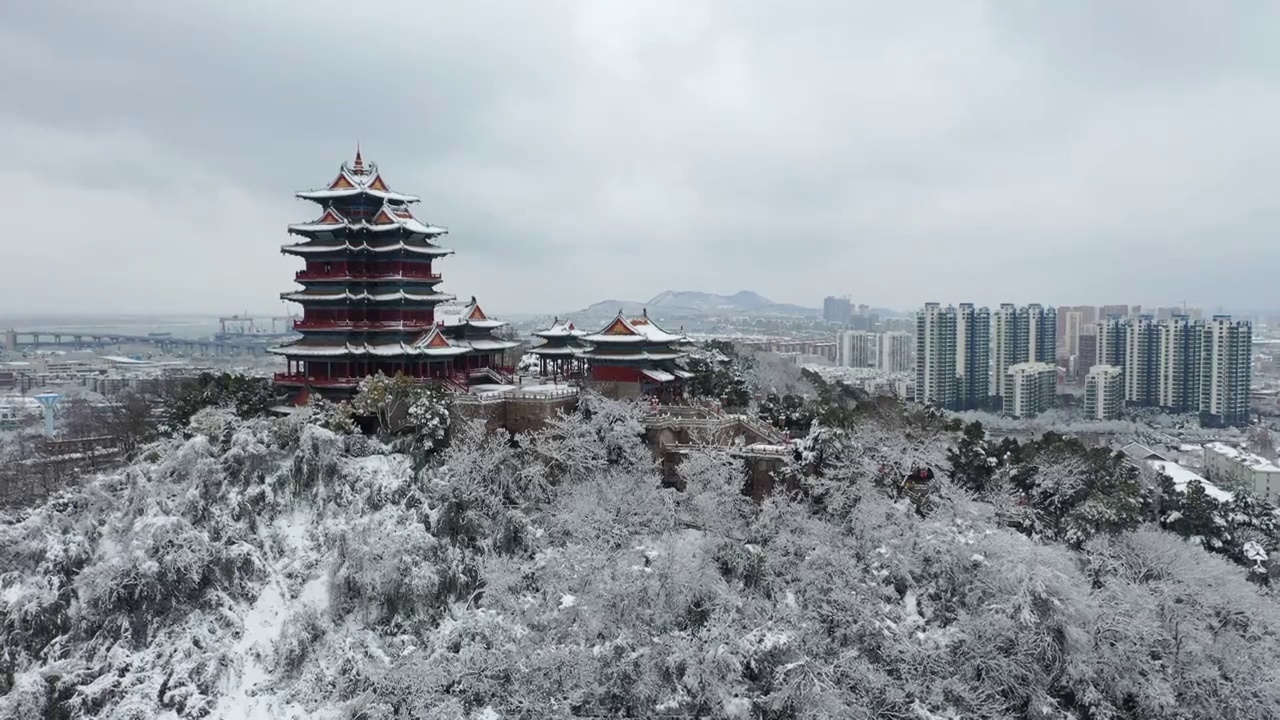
(366, 325)
(300, 379)
(302, 275)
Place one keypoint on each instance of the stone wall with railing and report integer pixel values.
(515, 411)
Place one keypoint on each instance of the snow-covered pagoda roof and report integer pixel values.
(469, 314)
(347, 295)
(556, 350)
(633, 330)
(309, 248)
(388, 218)
(561, 329)
(485, 344)
(357, 178)
(430, 344)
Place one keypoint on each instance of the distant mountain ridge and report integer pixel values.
(692, 302)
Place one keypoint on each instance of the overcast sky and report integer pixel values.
(1087, 152)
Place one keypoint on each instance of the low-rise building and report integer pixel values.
(8, 416)
(1231, 466)
(1029, 389)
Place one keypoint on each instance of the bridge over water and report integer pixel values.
(255, 344)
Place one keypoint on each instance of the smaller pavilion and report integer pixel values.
(560, 351)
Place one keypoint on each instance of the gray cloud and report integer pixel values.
(1075, 152)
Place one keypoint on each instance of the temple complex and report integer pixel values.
(369, 298)
(633, 356)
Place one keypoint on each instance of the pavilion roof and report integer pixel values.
(469, 314)
(390, 217)
(623, 330)
(561, 329)
(344, 295)
(357, 178)
(311, 248)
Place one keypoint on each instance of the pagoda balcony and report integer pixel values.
(325, 382)
(362, 325)
(335, 381)
(311, 275)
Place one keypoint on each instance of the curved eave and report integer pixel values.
(305, 249)
(327, 194)
(353, 280)
(367, 297)
(486, 345)
(412, 226)
(555, 351)
(487, 324)
(454, 322)
(615, 339)
(398, 350)
(413, 229)
(633, 357)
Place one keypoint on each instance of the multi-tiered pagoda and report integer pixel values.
(560, 349)
(369, 293)
(638, 357)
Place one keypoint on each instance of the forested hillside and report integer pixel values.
(291, 567)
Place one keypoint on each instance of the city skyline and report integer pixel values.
(580, 152)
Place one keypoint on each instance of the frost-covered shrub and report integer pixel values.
(602, 432)
(214, 423)
(29, 698)
(163, 560)
(429, 418)
(301, 633)
(400, 404)
(385, 567)
(334, 417)
(248, 458)
(316, 459)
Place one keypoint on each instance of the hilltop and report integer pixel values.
(684, 303)
(252, 567)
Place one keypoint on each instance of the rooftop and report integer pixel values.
(1181, 476)
(1248, 459)
(640, 329)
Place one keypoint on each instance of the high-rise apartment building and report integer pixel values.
(897, 351)
(1029, 389)
(1073, 324)
(1019, 335)
(1178, 364)
(973, 357)
(1103, 392)
(936, 356)
(1086, 351)
(1042, 337)
(1225, 371)
(837, 309)
(1142, 362)
(1004, 345)
(1106, 311)
(1086, 315)
(856, 348)
(1111, 342)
